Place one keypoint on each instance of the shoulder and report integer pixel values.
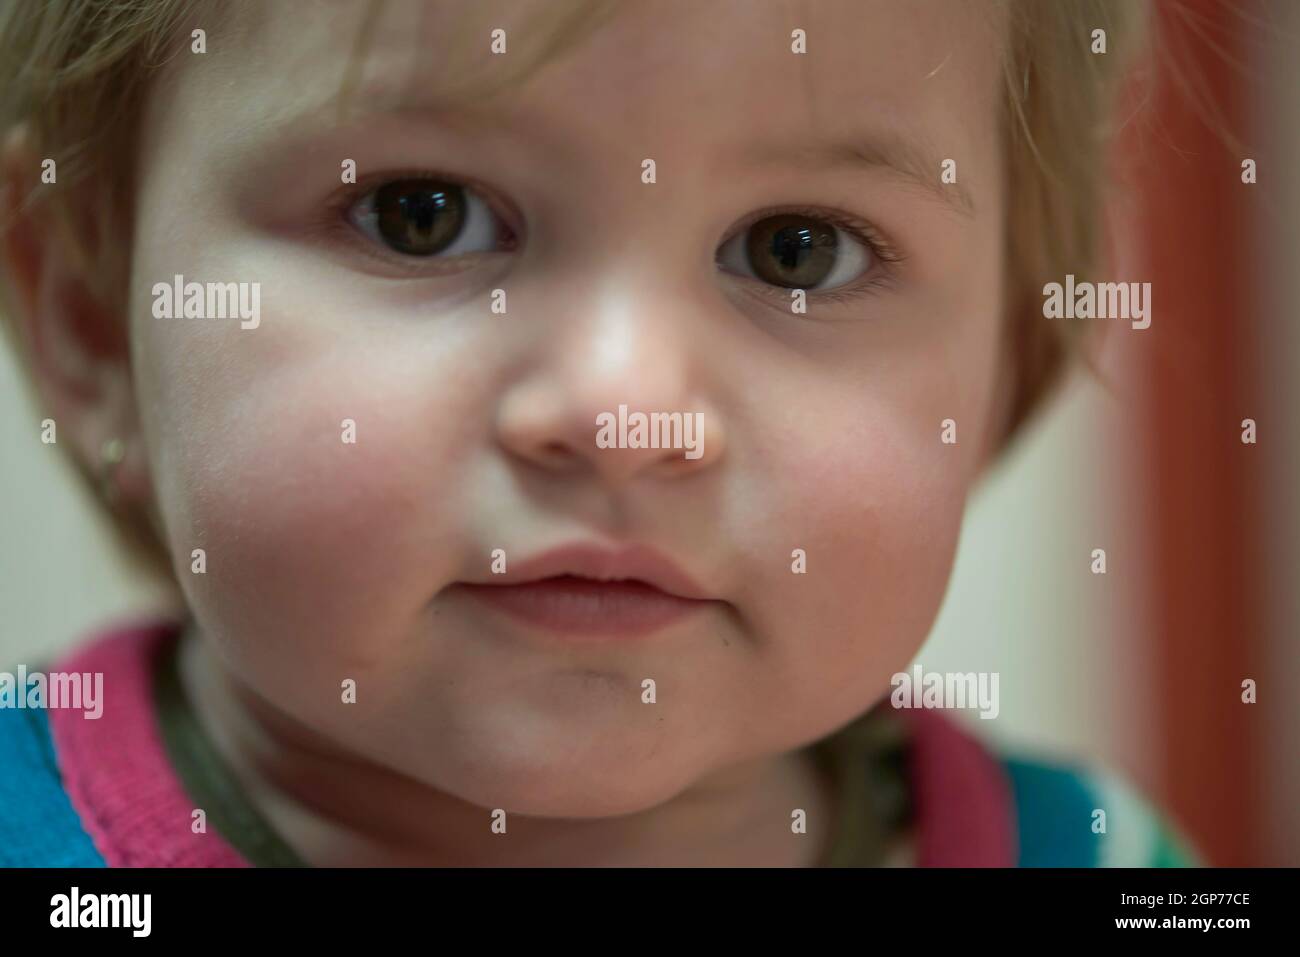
(53, 756)
(977, 803)
(38, 825)
(1072, 815)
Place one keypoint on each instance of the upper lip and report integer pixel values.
(632, 562)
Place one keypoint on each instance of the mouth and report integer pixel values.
(589, 591)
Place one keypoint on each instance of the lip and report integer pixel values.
(588, 590)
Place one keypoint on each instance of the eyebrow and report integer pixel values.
(900, 159)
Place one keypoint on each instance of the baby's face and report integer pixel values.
(476, 430)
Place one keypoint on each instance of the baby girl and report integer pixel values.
(348, 312)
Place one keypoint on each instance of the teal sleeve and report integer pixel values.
(1074, 817)
(38, 825)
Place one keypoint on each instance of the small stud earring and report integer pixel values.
(111, 454)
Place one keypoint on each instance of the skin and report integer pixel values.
(475, 431)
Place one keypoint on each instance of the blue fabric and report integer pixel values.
(38, 826)
(1053, 807)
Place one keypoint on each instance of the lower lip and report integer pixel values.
(588, 608)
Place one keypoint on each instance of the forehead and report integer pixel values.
(715, 71)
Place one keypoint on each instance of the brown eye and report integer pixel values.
(419, 217)
(429, 217)
(791, 251)
(796, 251)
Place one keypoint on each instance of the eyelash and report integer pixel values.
(882, 250)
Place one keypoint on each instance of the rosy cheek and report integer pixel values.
(307, 520)
(879, 512)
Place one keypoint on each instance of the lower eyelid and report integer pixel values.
(341, 233)
(853, 291)
(850, 293)
(866, 285)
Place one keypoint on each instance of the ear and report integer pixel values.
(69, 310)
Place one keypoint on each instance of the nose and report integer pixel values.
(615, 389)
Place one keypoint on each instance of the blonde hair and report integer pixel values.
(72, 73)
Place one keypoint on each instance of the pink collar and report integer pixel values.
(135, 809)
(115, 768)
(964, 810)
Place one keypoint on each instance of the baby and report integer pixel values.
(370, 325)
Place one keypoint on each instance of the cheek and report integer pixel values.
(306, 535)
(876, 499)
(880, 522)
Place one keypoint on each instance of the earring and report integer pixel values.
(111, 454)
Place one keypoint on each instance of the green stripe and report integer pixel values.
(208, 779)
(1172, 850)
